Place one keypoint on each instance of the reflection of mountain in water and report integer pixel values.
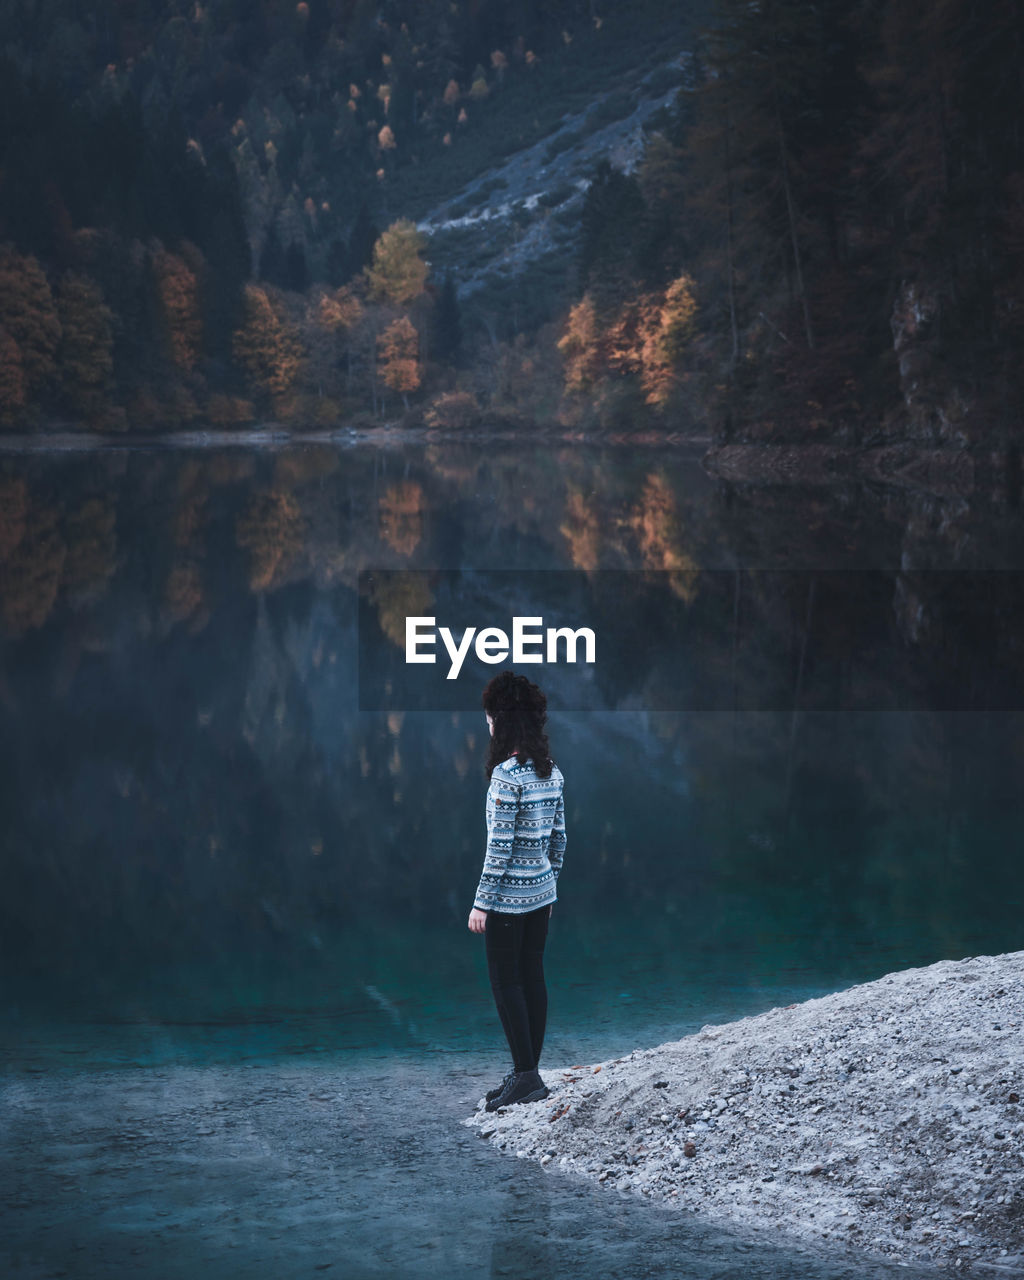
(805, 744)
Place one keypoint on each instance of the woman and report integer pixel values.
(525, 845)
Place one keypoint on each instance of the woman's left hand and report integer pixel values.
(477, 920)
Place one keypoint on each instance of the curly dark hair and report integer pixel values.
(519, 710)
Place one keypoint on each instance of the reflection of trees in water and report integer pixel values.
(581, 528)
(292, 524)
(271, 529)
(204, 774)
(897, 826)
(401, 596)
(33, 566)
(402, 509)
(656, 521)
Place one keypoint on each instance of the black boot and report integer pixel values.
(493, 1093)
(525, 1086)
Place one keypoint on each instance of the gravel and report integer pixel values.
(884, 1119)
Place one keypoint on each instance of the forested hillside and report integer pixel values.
(224, 213)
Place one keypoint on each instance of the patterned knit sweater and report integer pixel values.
(525, 839)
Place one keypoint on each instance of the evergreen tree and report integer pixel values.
(446, 332)
(228, 255)
(612, 214)
(361, 241)
(273, 262)
(337, 269)
(297, 276)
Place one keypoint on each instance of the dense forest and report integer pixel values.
(208, 215)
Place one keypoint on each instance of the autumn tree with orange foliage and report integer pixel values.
(178, 290)
(647, 340)
(666, 328)
(398, 357)
(580, 346)
(266, 346)
(332, 320)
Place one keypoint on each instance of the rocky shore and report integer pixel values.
(954, 473)
(885, 1119)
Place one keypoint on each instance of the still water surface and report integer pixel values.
(223, 874)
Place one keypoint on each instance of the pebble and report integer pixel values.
(816, 1145)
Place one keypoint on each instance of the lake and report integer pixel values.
(242, 1007)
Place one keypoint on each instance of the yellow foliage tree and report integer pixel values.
(579, 345)
(398, 273)
(265, 345)
(666, 331)
(624, 339)
(340, 309)
(646, 339)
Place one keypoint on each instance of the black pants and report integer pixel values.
(515, 963)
